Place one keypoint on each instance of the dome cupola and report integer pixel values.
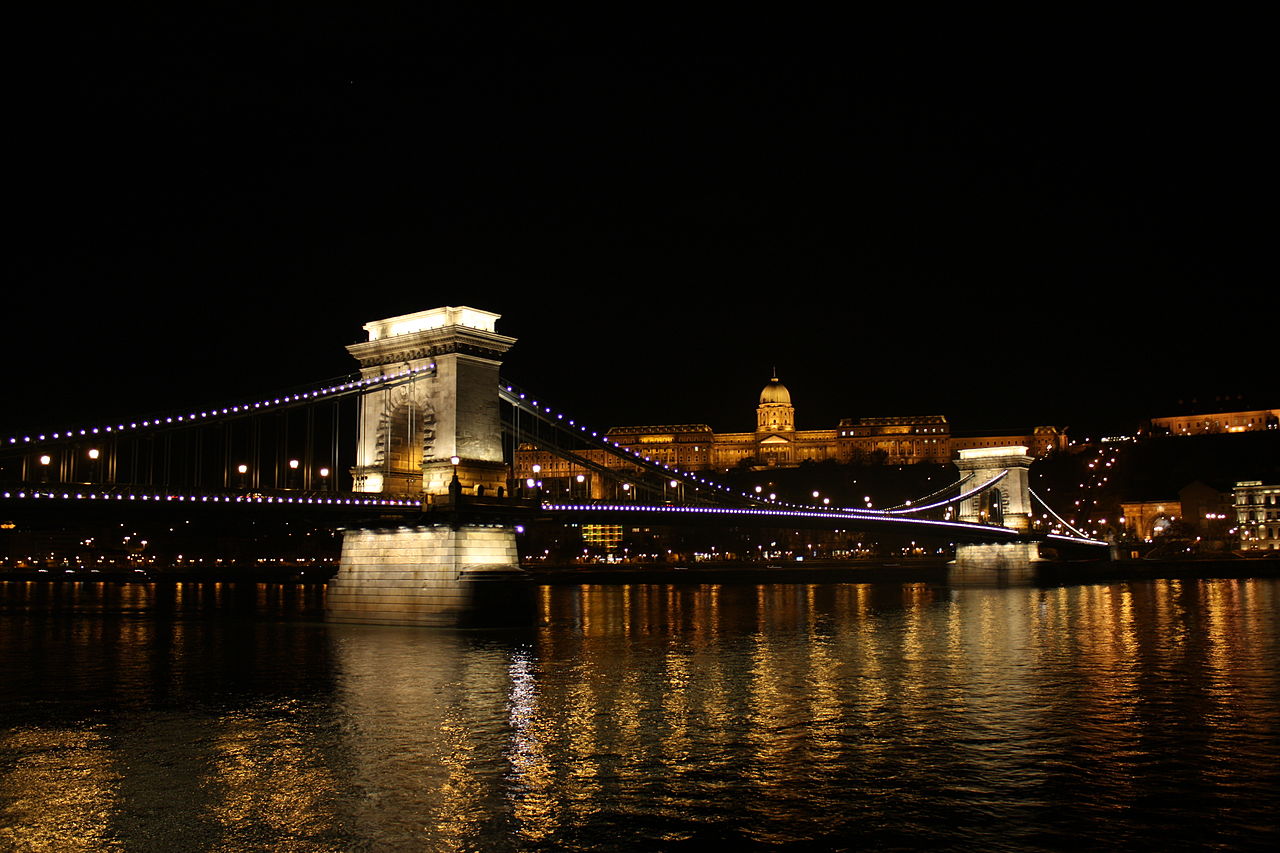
(775, 412)
(775, 392)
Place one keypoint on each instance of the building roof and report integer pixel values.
(775, 392)
(894, 420)
(662, 428)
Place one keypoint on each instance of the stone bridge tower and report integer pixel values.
(410, 433)
(1007, 504)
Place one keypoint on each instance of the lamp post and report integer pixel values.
(455, 485)
(324, 479)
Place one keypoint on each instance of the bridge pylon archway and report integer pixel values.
(1007, 504)
(411, 433)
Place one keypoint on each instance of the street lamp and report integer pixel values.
(324, 479)
(455, 485)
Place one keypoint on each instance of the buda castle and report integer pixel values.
(776, 443)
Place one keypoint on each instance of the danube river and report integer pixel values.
(202, 717)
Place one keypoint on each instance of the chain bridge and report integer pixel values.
(412, 458)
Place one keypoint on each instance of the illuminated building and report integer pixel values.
(1149, 519)
(1258, 515)
(1212, 424)
(602, 536)
(775, 443)
(1202, 508)
(897, 440)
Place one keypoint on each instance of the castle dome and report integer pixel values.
(775, 392)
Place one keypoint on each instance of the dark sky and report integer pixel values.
(1077, 241)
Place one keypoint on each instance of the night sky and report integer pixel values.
(1078, 241)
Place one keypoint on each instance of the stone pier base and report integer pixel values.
(994, 564)
(430, 576)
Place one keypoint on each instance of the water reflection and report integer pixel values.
(644, 717)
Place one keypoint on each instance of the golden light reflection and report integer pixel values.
(458, 816)
(766, 761)
(777, 710)
(266, 778)
(677, 707)
(533, 794)
(823, 686)
(985, 693)
(425, 719)
(912, 654)
(60, 791)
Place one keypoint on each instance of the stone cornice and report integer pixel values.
(429, 344)
(1010, 461)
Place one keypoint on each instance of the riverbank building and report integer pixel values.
(777, 443)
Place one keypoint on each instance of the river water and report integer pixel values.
(199, 717)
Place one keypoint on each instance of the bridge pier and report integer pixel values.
(994, 564)
(1008, 504)
(438, 436)
(429, 576)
